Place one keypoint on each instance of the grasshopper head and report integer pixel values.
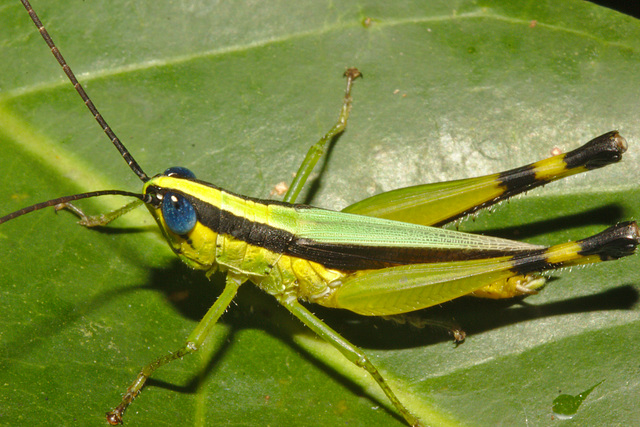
(175, 199)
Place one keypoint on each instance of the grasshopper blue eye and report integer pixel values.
(180, 172)
(178, 213)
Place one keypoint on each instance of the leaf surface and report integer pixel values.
(236, 92)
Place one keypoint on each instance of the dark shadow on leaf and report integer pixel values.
(473, 315)
(115, 231)
(313, 184)
(609, 214)
(494, 314)
(189, 291)
(192, 386)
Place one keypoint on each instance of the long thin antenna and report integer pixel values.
(67, 199)
(135, 167)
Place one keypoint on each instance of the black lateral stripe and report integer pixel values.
(336, 256)
(355, 257)
(253, 233)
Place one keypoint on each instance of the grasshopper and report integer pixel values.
(382, 256)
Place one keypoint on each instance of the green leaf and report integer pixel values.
(236, 92)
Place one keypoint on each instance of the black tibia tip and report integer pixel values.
(598, 152)
(614, 242)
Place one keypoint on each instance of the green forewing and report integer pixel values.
(341, 228)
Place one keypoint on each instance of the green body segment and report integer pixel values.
(371, 266)
(301, 251)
